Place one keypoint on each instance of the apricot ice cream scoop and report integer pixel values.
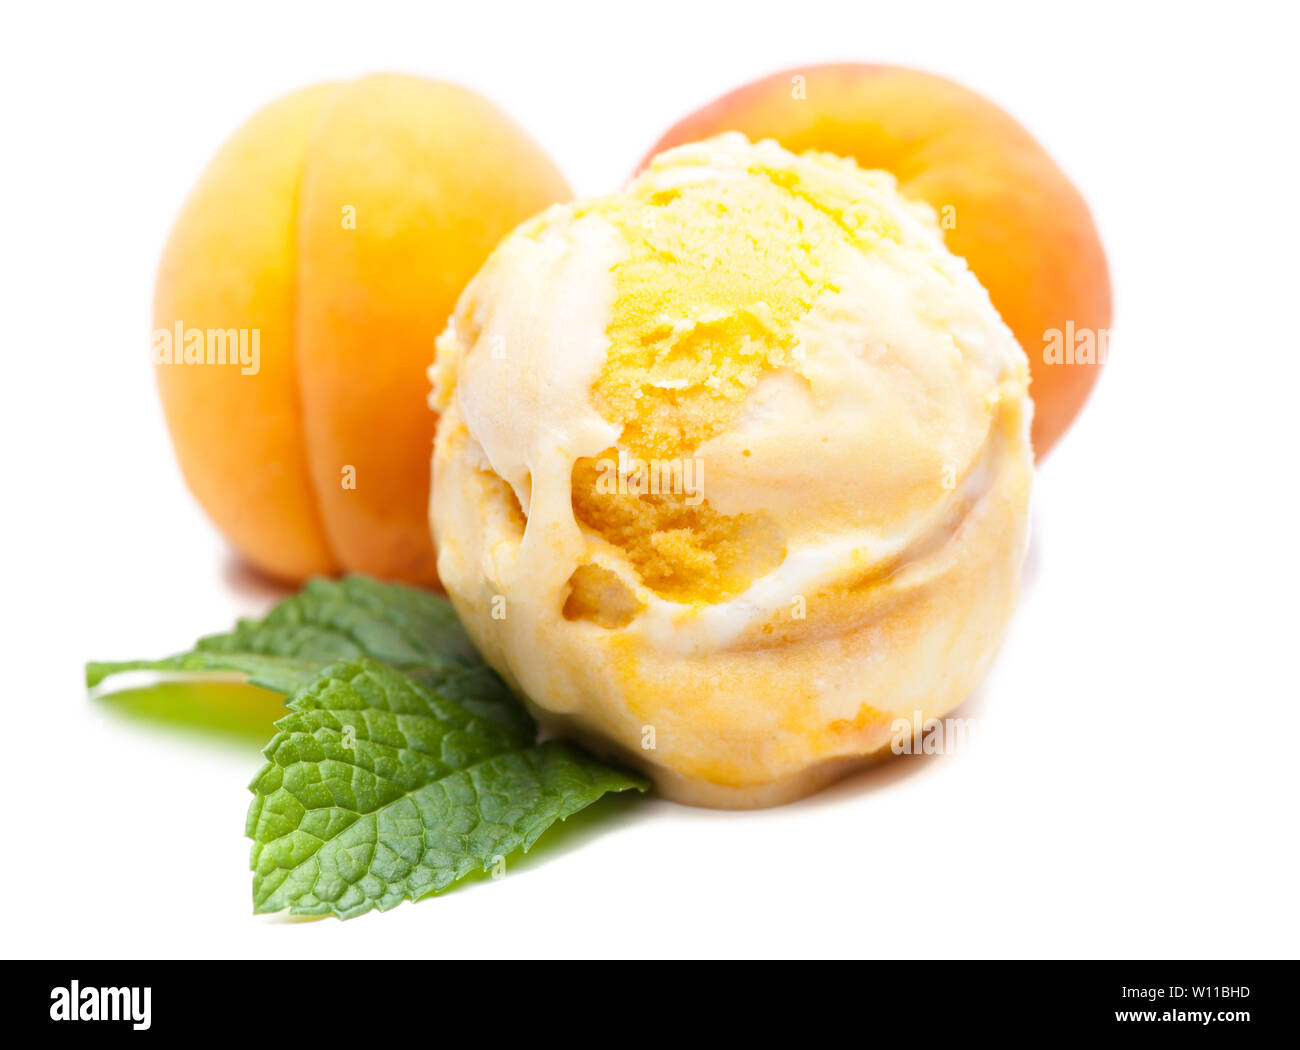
(733, 469)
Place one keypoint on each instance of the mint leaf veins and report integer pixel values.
(380, 789)
(404, 762)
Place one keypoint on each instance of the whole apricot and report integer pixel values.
(297, 303)
(1003, 203)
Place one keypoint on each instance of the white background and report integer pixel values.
(1132, 786)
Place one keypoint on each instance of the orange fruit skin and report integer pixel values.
(341, 222)
(230, 261)
(1014, 216)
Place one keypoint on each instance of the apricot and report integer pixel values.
(1003, 203)
(297, 303)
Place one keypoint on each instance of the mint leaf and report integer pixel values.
(332, 620)
(280, 674)
(404, 762)
(344, 619)
(380, 789)
(476, 690)
(328, 620)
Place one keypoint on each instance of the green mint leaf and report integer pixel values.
(329, 620)
(280, 674)
(345, 619)
(380, 789)
(479, 691)
(404, 763)
(332, 620)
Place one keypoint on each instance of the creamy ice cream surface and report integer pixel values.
(733, 469)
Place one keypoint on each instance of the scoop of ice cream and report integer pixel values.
(733, 469)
